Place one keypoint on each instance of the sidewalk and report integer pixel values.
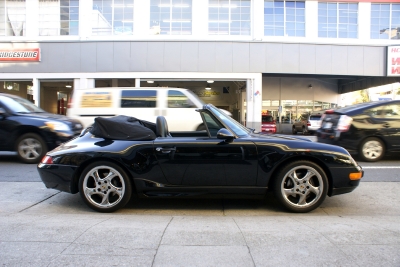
(42, 227)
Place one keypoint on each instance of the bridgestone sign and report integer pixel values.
(28, 54)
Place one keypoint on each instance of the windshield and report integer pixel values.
(235, 126)
(19, 105)
(267, 119)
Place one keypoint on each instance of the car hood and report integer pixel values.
(279, 136)
(48, 116)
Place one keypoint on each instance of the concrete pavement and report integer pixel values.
(43, 227)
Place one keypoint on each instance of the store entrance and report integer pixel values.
(55, 95)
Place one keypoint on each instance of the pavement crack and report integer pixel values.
(39, 202)
(244, 238)
(159, 244)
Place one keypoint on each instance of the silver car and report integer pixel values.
(307, 123)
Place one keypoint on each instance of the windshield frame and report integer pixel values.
(237, 128)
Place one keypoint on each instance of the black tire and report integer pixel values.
(371, 149)
(104, 193)
(30, 148)
(301, 186)
(294, 131)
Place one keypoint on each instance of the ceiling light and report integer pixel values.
(208, 87)
(150, 81)
(210, 81)
(68, 86)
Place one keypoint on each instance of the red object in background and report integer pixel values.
(268, 124)
(61, 106)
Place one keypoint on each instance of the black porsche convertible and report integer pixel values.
(122, 155)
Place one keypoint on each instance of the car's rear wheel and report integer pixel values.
(294, 131)
(30, 148)
(372, 149)
(301, 186)
(105, 186)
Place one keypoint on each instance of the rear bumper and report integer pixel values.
(58, 177)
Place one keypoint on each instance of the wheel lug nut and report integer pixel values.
(109, 187)
(304, 192)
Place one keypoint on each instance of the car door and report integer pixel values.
(390, 121)
(200, 161)
(6, 128)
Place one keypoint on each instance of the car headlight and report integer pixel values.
(57, 126)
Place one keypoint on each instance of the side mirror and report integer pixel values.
(226, 135)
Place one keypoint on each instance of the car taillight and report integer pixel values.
(329, 111)
(308, 123)
(344, 123)
(47, 160)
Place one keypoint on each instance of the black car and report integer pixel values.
(123, 155)
(30, 131)
(369, 130)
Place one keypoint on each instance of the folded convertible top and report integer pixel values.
(124, 128)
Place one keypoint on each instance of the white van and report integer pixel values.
(146, 103)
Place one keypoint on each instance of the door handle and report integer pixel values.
(165, 149)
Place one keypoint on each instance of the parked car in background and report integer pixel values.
(121, 157)
(307, 123)
(268, 124)
(176, 104)
(369, 129)
(30, 131)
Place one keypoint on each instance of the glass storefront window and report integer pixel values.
(289, 109)
(337, 20)
(229, 17)
(284, 18)
(112, 17)
(58, 17)
(385, 21)
(13, 18)
(171, 17)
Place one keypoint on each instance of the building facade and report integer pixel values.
(253, 56)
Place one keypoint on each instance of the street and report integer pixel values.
(44, 227)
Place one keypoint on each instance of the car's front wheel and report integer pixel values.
(294, 131)
(301, 186)
(30, 148)
(372, 149)
(105, 186)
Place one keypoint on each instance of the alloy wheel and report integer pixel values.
(104, 187)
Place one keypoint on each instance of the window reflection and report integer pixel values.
(293, 109)
(385, 21)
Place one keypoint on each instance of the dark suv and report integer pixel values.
(30, 131)
(369, 129)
